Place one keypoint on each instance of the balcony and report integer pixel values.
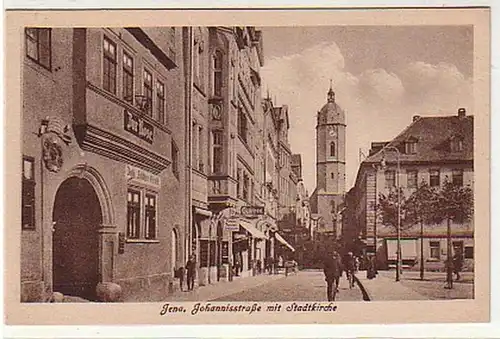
(221, 189)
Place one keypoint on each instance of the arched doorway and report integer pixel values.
(75, 240)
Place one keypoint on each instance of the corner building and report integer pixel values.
(103, 179)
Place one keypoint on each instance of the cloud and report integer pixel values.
(379, 103)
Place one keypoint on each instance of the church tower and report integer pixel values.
(330, 164)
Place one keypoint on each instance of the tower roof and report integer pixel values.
(331, 112)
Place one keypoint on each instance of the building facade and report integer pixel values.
(430, 150)
(103, 186)
(328, 197)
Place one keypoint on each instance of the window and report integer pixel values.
(412, 177)
(217, 75)
(458, 247)
(201, 165)
(333, 175)
(435, 249)
(141, 214)
(160, 102)
(456, 144)
(109, 66)
(198, 61)
(133, 214)
(390, 179)
(458, 177)
(128, 78)
(233, 81)
(38, 46)
(195, 144)
(410, 147)
(28, 197)
(217, 151)
(242, 125)
(150, 216)
(148, 91)
(434, 177)
(332, 149)
(238, 183)
(469, 252)
(246, 183)
(175, 160)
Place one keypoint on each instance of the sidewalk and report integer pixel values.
(223, 288)
(386, 288)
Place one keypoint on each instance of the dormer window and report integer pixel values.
(411, 146)
(456, 144)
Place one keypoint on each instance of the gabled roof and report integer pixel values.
(432, 136)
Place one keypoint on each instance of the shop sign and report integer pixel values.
(142, 176)
(231, 225)
(252, 211)
(138, 126)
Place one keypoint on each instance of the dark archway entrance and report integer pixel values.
(75, 240)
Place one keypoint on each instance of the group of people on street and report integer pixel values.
(188, 271)
(334, 265)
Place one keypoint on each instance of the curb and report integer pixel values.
(364, 291)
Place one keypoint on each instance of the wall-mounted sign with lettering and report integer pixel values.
(141, 176)
(252, 211)
(138, 126)
(231, 224)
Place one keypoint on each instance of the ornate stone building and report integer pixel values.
(103, 180)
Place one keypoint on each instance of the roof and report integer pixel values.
(331, 113)
(432, 136)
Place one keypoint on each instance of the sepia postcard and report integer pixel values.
(247, 166)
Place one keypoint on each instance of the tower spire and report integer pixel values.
(331, 94)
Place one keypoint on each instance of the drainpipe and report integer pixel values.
(187, 137)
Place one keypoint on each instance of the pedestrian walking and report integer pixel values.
(191, 271)
(181, 272)
(333, 270)
(458, 262)
(370, 268)
(350, 267)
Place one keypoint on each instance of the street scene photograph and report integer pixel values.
(245, 163)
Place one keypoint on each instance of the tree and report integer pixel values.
(393, 210)
(455, 203)
(421, 206)
(388, 209)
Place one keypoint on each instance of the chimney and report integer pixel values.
(461, 112)
(416, 117)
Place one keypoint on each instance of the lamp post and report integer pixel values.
(398, 230)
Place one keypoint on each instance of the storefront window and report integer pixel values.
(141, 214)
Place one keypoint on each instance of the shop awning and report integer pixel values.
(252, 230)
(283, 241)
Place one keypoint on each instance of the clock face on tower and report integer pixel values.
(332, 132)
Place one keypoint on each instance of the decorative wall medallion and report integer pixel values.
(54, 132)
(52, 153)
(216, 112)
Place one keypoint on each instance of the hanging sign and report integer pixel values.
(138, 126)
(252, 211)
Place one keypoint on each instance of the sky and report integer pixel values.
(382, 77)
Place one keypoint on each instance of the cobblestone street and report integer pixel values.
(306, 285)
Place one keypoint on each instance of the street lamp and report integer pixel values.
(398, 230)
